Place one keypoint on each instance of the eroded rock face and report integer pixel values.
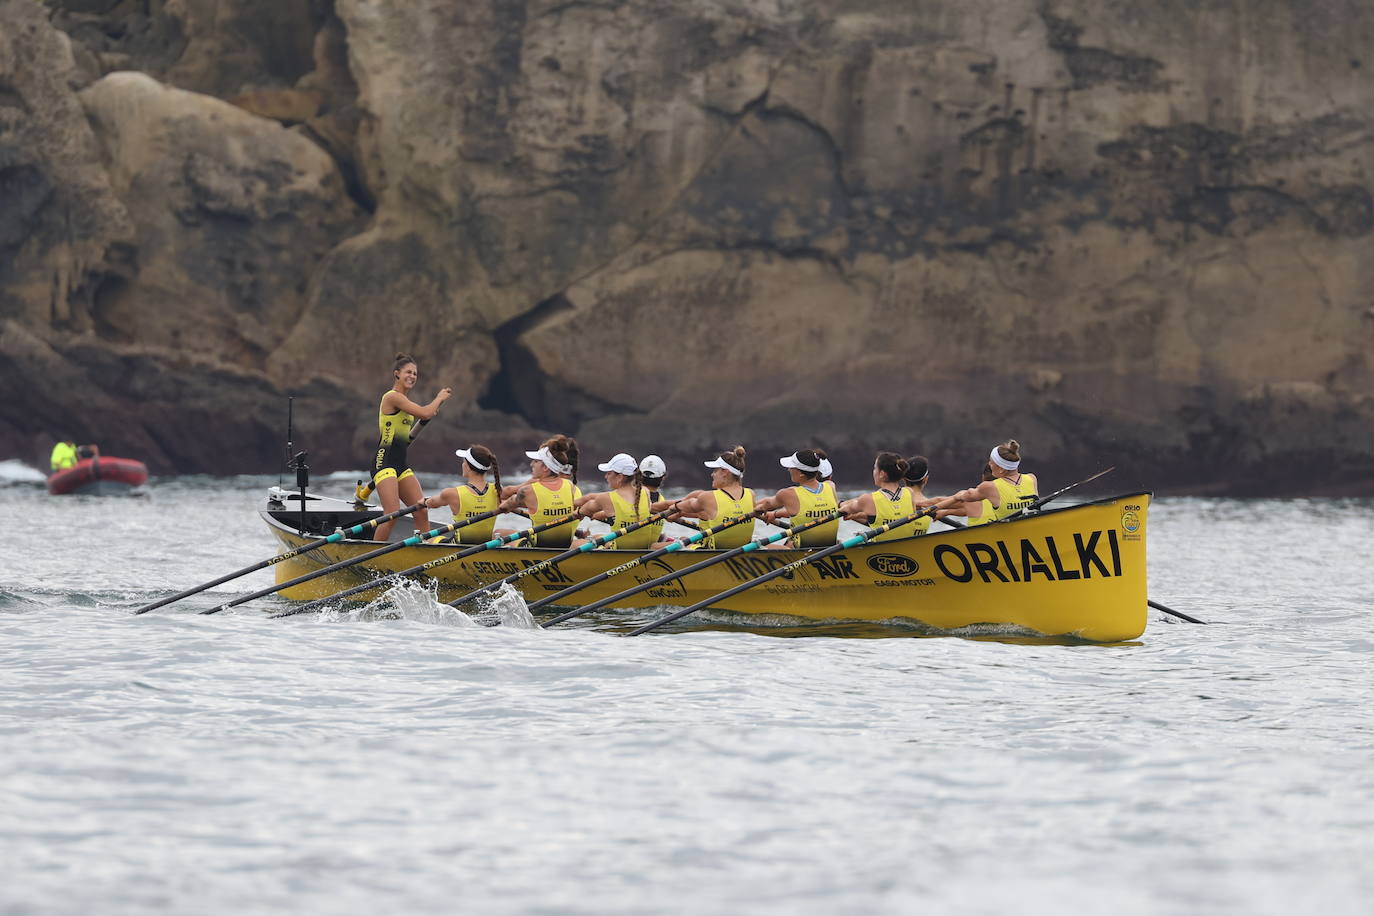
(1130, 234)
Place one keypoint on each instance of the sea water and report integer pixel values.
(406, 757)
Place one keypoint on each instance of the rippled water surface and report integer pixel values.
(402, 760)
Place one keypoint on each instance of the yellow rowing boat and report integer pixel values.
(1076, 571)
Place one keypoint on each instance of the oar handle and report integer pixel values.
(710, 561)
(695, 538)
(856, 540)
(594, 543)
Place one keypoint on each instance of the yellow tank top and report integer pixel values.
(986, 516)
(727, 510)
(1015, 496)
(812, 507)
(887, 509)
(393, 427)
(625, 515)
(550, 506)
(470, 505)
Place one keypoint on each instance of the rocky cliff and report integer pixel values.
(1131, 234)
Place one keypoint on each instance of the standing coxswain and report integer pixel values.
(396, 416)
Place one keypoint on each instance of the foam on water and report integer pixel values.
(412, 601)
(13, 471)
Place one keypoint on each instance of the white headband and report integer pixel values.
(1003, 463)
(721, 463)
(827, 470)
(550, 462)
(466, 455)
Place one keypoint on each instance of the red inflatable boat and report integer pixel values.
(99, 476)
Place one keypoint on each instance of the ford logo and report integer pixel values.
(892, 564)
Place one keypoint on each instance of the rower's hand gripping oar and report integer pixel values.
(408, 542)
(363, 491)
(294, 552)
(594, 543)
(860, 538)
(696, 537)
(710, 561)
(1025, 510)
(392, 578)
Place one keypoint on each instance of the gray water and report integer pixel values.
(396, 759)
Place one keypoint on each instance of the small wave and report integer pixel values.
(14, 471)
(509, 607)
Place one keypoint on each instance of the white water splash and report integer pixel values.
(15, 471)
(509, 606)
(406, 600)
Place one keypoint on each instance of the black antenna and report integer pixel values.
(290, 403)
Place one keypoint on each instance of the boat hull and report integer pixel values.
(1077, 571)
(98, 477)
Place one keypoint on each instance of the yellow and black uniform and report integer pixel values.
(727, 510)
(471, 504)
(625, 515)
(892, 505)
(988, 514)
(391, 461)
(1015, 496)
(63, 456)
(814, 505)
(550, 506)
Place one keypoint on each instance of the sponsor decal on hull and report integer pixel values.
(1094, 554)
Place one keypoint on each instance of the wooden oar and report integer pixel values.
(682, 544)
(594, 543)
(408, 542)
(1179, 614)
(710, 561)
(862, 537)
(422, 568)
(363, 492)
(295, 552)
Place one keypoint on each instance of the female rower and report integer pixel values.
(624, 503)
(550, 493)
(391, 473)
(1009, 491)
(727, 500)
(899, 481)
(474, 496)
(808, 499)
(654, 472)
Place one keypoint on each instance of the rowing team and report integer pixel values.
(633, 489)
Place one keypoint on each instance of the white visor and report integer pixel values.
(791, 461)
(721, 463)
(827, 470)
(466, 455)
(550, 462)
(1003, 463)
(622, 464)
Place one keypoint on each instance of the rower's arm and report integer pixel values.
(859, 508)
